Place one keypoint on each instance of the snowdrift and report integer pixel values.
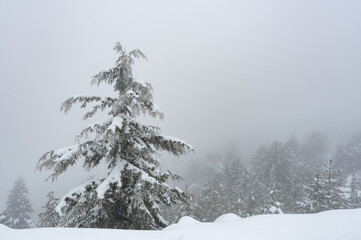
(330, 225)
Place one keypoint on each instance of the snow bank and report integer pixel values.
(3, 228)
(229, 217)
(330, 225)
(187, 220)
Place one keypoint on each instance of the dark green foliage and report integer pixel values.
(355, 191)
(325, 191)
(130, 195)
(49, 218)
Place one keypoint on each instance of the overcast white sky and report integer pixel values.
(222, 71)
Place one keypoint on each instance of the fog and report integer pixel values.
(223, 72)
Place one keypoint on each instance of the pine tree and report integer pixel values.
(272, 204)
(129, 196)
(270, 171)
(296, 176)
(314, 197)
(325, 192)
(18, 211)
(334, 193)
(226, 190)
(49, 218)
(348, 156)
(189, 207)
(212, 201)
(355, 190)
(315, 149)
(210, 197)
(238, 188)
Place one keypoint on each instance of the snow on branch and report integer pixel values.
(171, 144)
(59, 161)
(129, 148)
(103, 102)
(98, 128)
(77, 191)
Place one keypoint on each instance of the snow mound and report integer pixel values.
(187, 220)
(228, 217)
(330, 225)
(3, 227)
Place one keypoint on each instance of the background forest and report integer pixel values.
(295, 176)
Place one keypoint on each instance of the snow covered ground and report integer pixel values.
(330, 225)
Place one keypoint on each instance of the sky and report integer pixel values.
(223, 72)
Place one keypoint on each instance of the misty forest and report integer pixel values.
(250, 154)
(283, 177)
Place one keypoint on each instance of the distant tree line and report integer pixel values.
(289, 177)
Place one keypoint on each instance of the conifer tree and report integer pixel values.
(186, 208)
(296, 176)
(212, 201)
(270, 171)
(315, 149)
(18, 207)
(325, 192)
(226, 191)
(49, 218)
(238, 188)
(272, 205)
(129, 196)
(355, 190)
(348, 156)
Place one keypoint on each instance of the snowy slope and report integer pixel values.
(331, 225)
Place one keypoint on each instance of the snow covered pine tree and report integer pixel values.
(49, 218)
(18, 210)
(325, 193)
(129, 197)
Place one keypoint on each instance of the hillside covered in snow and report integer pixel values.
(330, 225)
